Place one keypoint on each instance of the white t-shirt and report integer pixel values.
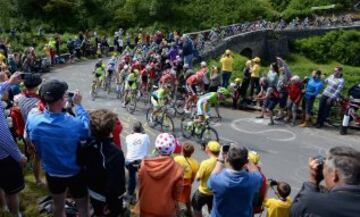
(137, 145)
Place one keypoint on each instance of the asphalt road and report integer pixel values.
(284, 150)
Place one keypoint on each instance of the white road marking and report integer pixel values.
(291, 137)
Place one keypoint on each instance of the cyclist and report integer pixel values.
(190, 85)
(110, 70)
(354, 105)
(131, 84)
(99, 72)
(145, 78)
(210, 99)
(159, 98)
(168, 77)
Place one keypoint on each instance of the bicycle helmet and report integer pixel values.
(165, 144)
(203, 64)
(254, 157)
(223, 91)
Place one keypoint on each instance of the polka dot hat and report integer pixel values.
(165, 144)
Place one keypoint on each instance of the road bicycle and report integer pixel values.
(162, 118)
(202, 131)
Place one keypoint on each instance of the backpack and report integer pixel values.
(18, 121)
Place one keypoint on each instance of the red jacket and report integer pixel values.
(295, 92)
(116, 133)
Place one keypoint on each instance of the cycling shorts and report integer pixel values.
(130, 85)
(190, 89)
(144, 78)
(155, 103)
(199, 107)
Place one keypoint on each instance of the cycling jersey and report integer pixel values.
(167, 78)
(158, 98)
(99, 72)
(131, 81)
(193, 80)
(210, 98)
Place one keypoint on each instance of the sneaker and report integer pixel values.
(123, 105)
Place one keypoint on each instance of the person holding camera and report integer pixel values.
(56, 136)
(234, 185)
(340, 171)
(280, 206)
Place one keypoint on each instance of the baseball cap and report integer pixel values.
(32, 80)
(228, 52)
(51, 91)
(213, 146)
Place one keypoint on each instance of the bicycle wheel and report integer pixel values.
(209, 134)
(150, 119)
(187, 127)
(167, 124)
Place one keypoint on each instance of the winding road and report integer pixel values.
(284, 150)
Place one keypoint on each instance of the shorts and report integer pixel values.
(283, 100)
(12, 179)
(155, 103)
(184, 196)
(144, 79)
(308, 104)
(199, 108)
(271, 103)
(76, 185)
(190, 89)
(199, 200)
(130, 85)
(291, 105)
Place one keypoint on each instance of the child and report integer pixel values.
(190, 166)
(279, 207)
(235, 90)
(294, 98)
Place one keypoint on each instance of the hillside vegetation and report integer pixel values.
(183, 15)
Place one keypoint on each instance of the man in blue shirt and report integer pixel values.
(234, 187)
(56, 136)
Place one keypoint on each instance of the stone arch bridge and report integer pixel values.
(267, 44)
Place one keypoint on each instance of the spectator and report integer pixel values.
(284, 77)
(190, 167)
(160, 180)
(255, 76)
(226, 67)
(246, 79)
(56, 136)
(234, 187)
(259, 197)
(11, 159)
(295, 94)
(341, 174)
(335, 84)
(215, 79)
(235, 90)
(279, 207)
(104, 166)
(188, 51)
(137, 146)
(26, 101)
(116, 133)
(203, 195)
(313, 88)
(270, 97)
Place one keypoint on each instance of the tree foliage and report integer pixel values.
(183, 15)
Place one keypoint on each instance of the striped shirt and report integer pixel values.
(25, 103)
(334, 86)
(8, 147)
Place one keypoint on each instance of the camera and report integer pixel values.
(23, 75)
(226, 148)
(272, 182)
(70, 94)
(319, 174)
